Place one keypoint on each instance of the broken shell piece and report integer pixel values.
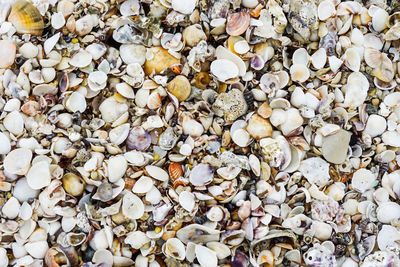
(132, 206)
(187, 200)
(335, 146)
(299, 73)
(316, 170)
(7, 56)
(97, 80)
(259, 127)
(143, 185)
(184, 7)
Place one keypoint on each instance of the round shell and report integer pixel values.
(237, 23)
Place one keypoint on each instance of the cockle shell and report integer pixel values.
(26, 18)
(175, 170)
(237, 23)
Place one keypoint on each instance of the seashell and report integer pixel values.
(296, 120)
(157, 173)
(57, 20)
(37, 249)
(363, 180)
(119, 134)
(38, 175)
(259, 127)
(158, 60)
(174, 248)
(129, 8)
(117, 166)
(202, 174)
(18, 161)
(132, 206)
(11, 208)
(191, 126)
(318, 59)
(186, 7)
(97, 80)
(125, 90)
(352, 59)
(84, 25)
(133, 53)
(384, 71)
(231, 105)
(386, 236)
(180, 87)
(76, 102)
(241, 47)
(326, 10)
(193, 34)
(187, 200)
(299, 73)
(205, 256)
(335, 146)
(143, 185)
(7, 55)
(303, 17)
(376, 125)
(379, 18)
(5, 145)
(113, 108)
(138, 139)
(387, 212)
(391, 138)
(154, 100)
(224, 69)
(14, 123)
(26, 18)
(28, 50)
(73, 184)
(137, 239)
(175, 170)
(237, 23)
(316, 170)
(81, 59)
(23, 192)
(223, 53)
(301, 56)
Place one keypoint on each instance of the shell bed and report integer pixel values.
(199, 133)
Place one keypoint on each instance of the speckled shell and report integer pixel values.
(303, 17)
(26, 18)
(175, 170)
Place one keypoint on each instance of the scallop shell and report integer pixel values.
(237, 23)
(26, 18)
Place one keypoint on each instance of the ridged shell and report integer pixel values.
(237, 23)
(26, 18)
(175, 170)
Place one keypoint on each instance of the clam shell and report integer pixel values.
(157, 173)
(184, 7)
(26, 18)
(132, 206)
(73, 184)
(159, 60)
(143, 185)
(206, 256)
(18, 161)
(224, 69)
(202, 174)
(187, 200)
(388, 211)
(116, 168)
(175, 170)
(174, 248)
(299, 73)
(38, 175)
(237, 23)
(363, 180)
(138, 139)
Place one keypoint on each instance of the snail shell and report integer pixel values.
(26, 18)
(237, 23)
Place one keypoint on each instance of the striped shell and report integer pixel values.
(237, 23)
(175, 170)
(26, 18)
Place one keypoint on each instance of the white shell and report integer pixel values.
(299, 73)
(125, 90)
(174, 248)
(37, 249)
(81, 59)
(187, 200)
(18, 161)
(117, 166)
(39, 175)
(133, 53)
(388, 211)
(224, 69)
(157, 173)
(137, 239)
(76, 102)
(184, 7)
(97, 80)
(326, 10)
(206, 257)
(132, 206)
(363, 180)
(318, 59)
(143, 185)
(376, 125)
(14, 123)
(316, 170)
(5, 145)
(11, 208)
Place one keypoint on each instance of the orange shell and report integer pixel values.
(175, 170)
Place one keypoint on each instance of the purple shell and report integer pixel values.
(138, 139)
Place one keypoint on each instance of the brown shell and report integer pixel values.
(175, 170)
(26, 18)
(237, 23)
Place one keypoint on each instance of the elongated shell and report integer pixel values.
(26, 18)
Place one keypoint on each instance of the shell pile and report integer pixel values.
(177, 133)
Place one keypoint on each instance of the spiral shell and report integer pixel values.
(175, 170)
(237, 23)
(26, 18)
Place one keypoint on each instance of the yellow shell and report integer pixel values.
(180, 87)
(159, 60)
(26, 18)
